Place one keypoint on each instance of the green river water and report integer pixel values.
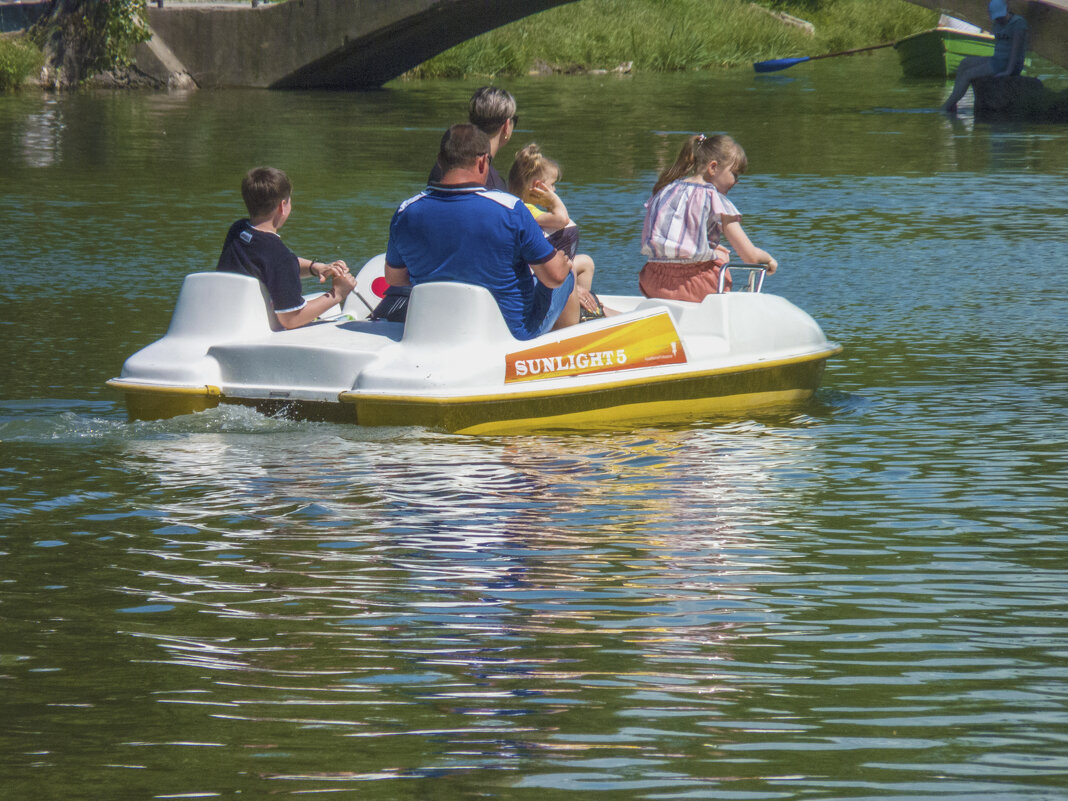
(863, 599)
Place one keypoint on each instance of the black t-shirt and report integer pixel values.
(493, 178)
(263, 255)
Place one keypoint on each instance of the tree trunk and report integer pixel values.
(78, 38)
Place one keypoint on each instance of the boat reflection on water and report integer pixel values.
(492, 592)
(433, 557)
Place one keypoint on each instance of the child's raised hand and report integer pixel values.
(541, 192)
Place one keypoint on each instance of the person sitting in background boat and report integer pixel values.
(253, 247)
(686, 218)
(492, 110)
(1010, 50)
(458, 230)
(533, 180)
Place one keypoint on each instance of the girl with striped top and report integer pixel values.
(687, 217)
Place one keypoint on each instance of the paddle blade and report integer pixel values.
(777, 64)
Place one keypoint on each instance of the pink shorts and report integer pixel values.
(681, 281)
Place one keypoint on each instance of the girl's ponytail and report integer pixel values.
(683, 165)
(699, 150)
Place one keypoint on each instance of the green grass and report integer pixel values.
(19, 59)
(673, 35)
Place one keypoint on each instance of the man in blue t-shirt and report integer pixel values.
(458, 230)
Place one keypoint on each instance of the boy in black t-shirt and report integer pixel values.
(254, 248)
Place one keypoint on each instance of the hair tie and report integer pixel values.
(700, 139)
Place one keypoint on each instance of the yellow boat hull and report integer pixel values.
(454, 366)
(673, 399)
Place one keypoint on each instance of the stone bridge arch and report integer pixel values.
(325, 44)
(361, 44)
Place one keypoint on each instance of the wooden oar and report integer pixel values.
(777, 64)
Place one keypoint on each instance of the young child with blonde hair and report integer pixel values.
(687, 217)
(533, 180)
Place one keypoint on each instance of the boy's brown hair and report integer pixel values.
(263, 188)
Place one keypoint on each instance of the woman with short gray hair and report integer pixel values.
(492, 110)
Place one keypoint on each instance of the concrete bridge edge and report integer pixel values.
(157, 60)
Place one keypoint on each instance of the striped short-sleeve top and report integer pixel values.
(683, 222)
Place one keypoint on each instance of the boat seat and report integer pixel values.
(707, 318)
(222, 305)
(370, 286)
(447, 313)
(677, 308)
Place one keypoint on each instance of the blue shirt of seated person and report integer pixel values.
(458, 230)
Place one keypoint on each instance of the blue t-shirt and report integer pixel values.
(263, 255)
(472, 235)
(1003, 36)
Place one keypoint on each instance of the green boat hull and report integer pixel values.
(938, 52)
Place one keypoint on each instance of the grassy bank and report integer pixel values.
(19, 59)
(673, 35)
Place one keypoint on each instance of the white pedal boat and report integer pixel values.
(455, 366)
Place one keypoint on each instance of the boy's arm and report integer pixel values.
(342, 285)
(321, 270)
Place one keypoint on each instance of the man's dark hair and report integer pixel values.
(461, 146)
(263, 188)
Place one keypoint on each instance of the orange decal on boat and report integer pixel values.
(640, 343)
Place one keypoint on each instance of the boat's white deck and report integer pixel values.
(454, 343)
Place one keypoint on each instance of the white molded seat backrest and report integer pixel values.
(222, 305)
(449, 313)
